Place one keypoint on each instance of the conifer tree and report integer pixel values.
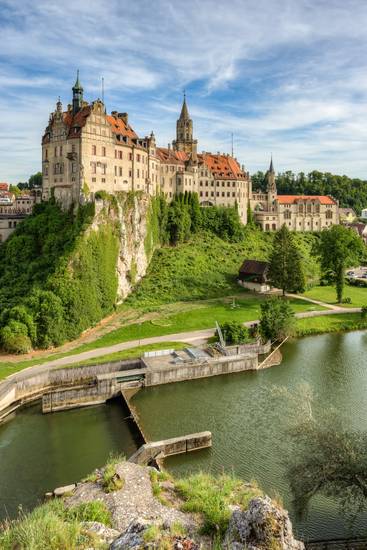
(285, 268)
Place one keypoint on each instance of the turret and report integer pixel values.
(77, 95)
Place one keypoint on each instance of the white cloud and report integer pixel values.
(284, 76)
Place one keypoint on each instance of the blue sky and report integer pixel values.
(285, 76)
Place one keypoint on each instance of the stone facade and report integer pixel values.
(85, 150)
(13, 210)
(297, 212)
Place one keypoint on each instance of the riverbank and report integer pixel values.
(123, 505)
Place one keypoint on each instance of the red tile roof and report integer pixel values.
(169, 156)
(292, 199)
(119, 126)
(4, 186)
(222, 166)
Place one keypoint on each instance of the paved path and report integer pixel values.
(317, 302)
(196, 337)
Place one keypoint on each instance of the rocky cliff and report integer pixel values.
(131, 213)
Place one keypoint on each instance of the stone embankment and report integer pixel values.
(141, 518)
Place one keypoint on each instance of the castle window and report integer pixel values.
(46, 154)
(115, 170)
(115, 154)
(55, 152)
(137, 173)
(73, 167)
(217, 193)
(329, 214)
(93, 167)
(138, 158)
(73, 148)
(60, 150)
(120, 171)
(103, 151)
(103, 166)
(94, 149)
(130, 156)
(228, 193)
(287, 215)
(120, 155)
(130, 173)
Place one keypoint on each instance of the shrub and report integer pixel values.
(364, 312)
(277, 319)
(346, 300)
(14, 337)
(234, 333)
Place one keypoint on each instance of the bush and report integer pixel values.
(346, 300)
(277, 319)
(364, 312)
(14, 337)
(111, 480)
(234, 333)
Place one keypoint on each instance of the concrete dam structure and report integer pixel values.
(68, 388)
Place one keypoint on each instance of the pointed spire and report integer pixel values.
(77, 85)
(184, 111)
(271, 168)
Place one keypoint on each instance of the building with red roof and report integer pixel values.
(84, 148)
(297, 212)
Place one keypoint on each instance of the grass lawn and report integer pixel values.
(247, 309)
(330, 323)
(202, 315)
(327, 294)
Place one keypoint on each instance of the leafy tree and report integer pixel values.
(285, 266)
(194, 211)
(234, 333)
(14, 337)
(250, 215)
(276, 320)
(35, 180)
(178, 222)
(339, 247)
(15, 190)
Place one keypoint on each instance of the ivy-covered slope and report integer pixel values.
(61, 273)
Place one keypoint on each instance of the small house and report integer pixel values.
(253, 275)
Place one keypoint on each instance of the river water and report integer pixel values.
(249, 415)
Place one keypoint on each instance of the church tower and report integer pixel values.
(77, 95)
(184, 132)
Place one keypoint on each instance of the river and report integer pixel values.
(249, 415)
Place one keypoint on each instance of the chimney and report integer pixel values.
(114, 114)
(124, 117)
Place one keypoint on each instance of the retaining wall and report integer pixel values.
(179, 372)
(24, 387)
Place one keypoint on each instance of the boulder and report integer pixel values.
(61, 491)
(132, 537)
(105, 534)
(263, 525)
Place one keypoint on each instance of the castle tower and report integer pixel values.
(271, 187)
(184, 132)
(77, 95)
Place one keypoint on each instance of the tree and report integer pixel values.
(234, 333)
(276, 320)
(35, 180)
(285, 266)
(339, 247)
(329, 462)
(250, 215)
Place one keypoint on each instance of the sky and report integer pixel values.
(287, 77)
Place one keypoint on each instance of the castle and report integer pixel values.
(85, 150)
